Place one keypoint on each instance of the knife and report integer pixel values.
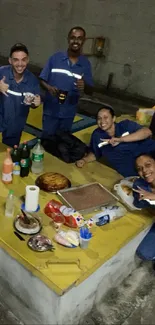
(19, 236)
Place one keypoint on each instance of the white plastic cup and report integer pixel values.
(28, 99)
(84, 242)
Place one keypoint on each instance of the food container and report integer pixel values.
(126, 194)
(144, 115)
(88, 197)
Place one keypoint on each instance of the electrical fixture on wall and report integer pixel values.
(94, 46)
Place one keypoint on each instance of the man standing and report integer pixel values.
(63, 77)
(15, 84)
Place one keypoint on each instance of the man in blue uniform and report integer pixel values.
(120, 143)
(15, 84)
(65, 75)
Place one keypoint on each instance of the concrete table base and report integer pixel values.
(34, 303)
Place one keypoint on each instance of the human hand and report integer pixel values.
(3, 86)
(80, 84)
(37, 100)
(115, 141)
(80, 163)
(53, 90)
(144, 195)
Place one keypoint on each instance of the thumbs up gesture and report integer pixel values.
(3, 86)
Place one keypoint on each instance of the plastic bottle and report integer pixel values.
(108, 214)
(25, 160)
(15, 154)
(7, 168)
(16, 173)
(9, 207)
(37, 158)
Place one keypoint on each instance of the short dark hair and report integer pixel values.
(108, 108)
(79, 28)
(18, 47)
(146, 154)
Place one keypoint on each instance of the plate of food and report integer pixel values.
(125, 192)
(52, 182)
(40, 243)
(27, 224)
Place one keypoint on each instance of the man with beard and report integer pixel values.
(64, 76)
(15, 82)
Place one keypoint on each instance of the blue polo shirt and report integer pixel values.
(121, 157)
(145, 186)
(61, 73)
(13, 113)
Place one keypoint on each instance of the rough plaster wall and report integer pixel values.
(128, 24)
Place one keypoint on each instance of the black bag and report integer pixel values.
(65, 146)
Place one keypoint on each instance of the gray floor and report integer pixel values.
(132, 303)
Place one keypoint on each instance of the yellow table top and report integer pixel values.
(65, 267)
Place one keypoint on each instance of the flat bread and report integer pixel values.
(52, 182)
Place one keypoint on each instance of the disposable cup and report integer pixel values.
(84, 242)
(28, 99)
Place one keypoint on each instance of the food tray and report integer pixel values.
(88, 197)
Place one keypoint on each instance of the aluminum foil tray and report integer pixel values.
(88, 197)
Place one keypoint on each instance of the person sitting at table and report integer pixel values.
(144, 187)
(120, 143)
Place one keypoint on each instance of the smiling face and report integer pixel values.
(105, 120)
(19, 61)
(146, 168)
(76, 40)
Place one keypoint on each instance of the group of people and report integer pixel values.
(126, 145)
(68, 71)
(129, 149)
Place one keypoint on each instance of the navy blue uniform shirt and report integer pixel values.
(121, 157)
(13, 113)
(61, 73)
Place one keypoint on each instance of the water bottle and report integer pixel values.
(37, 158)
(9, 207)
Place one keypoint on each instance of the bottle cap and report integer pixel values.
(11, 192)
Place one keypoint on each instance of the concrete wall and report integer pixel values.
(128, 24)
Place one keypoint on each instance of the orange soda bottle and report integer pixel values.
(7, 168)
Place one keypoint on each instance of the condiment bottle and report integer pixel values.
(7, 168)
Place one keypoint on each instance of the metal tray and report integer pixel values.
(87, 210)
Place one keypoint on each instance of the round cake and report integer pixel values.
(33, 227)
(52, 182)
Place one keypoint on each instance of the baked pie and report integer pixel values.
(52, 182)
